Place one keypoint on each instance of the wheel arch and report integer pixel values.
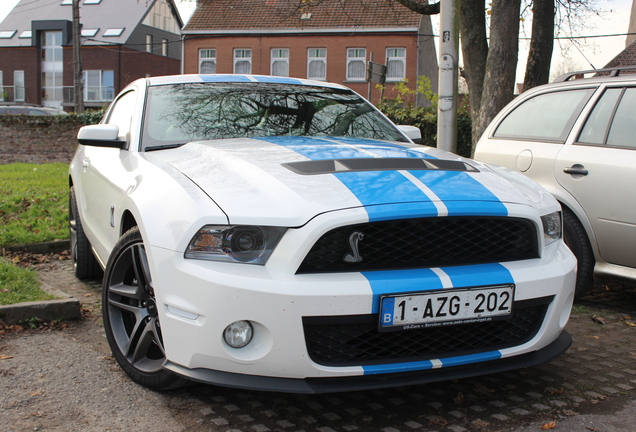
(578, 212)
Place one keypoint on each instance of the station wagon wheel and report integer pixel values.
(131, 318)
(85, 265)
(576, 238)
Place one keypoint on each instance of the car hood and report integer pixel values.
(286, 181)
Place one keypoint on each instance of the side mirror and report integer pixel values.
(100, 135)
(412, 132)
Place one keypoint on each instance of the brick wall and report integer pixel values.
(36, 140)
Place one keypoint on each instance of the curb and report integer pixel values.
(65, 308)
(42, 248)
(47, 310)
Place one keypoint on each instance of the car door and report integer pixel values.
(106, 175)
(598, 169)
(528, 135)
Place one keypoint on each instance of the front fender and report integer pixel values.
(167, 206)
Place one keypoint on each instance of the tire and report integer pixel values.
(85, 265)
(131, 321)
(576, 238)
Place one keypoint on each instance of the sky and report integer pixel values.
(596, 51)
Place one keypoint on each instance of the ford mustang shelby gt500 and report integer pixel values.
(282, 234)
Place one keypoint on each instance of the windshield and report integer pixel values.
(180, 113)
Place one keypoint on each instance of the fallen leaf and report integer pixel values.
(5, 357)
(483, 389)
(480, 423)
(36, 393)
(440, 421)
(593, 337)
(548, 426)
(558, 391)
(599, 320)
(631, 324)
(569, 413)
(459, 399)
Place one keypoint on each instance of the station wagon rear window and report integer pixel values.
(546, 117)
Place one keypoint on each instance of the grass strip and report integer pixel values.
(33, 203)
(18, 285)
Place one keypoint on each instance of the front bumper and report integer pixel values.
(355, 383)
(199, 299)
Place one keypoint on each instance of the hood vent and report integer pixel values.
(331, 166)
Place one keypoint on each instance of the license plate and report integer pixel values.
(448, 307)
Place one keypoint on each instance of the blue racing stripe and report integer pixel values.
(276, 80)
(427, 364)
(397, 367)
(479, 275)
(472, 358)
(371, 188)
(461, 193)
(224, 78)
(400, 281)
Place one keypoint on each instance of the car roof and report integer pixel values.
(233, 78)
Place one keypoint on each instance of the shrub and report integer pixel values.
(403, 110)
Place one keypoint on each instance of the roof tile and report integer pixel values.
(288, 14)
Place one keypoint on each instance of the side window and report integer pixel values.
(595, 129)
(546, 117)
(121, 114)
(621, 131)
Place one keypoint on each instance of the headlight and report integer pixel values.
(552, 227)
(246, 244)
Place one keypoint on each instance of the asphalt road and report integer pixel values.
(62, 378)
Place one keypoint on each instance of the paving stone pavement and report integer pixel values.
(597, 373)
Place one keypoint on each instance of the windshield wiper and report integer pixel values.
(163, 147)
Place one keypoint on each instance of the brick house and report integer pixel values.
(321, 40)
(121, 40)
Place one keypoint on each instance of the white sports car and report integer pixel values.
(282, 234)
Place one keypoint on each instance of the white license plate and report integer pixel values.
(421, 310)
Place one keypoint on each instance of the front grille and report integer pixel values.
(424, 242)
(355, 340)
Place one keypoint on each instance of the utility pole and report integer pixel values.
(77, 60)
(448, 75)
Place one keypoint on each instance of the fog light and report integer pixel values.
(238, 334)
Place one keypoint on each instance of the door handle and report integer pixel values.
(576, 170)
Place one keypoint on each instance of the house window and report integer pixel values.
(164, 47)
(18, 85)
(356, 64)
(149, 43)
(207, 61)
(317, 63)
(280, 62)
(396, 64)
(243, 61)
(99, 86)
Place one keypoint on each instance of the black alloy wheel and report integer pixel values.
(131, 319)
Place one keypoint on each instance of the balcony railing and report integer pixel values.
(93, 95)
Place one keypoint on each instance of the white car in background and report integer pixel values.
(576, 137)
(282, 234)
